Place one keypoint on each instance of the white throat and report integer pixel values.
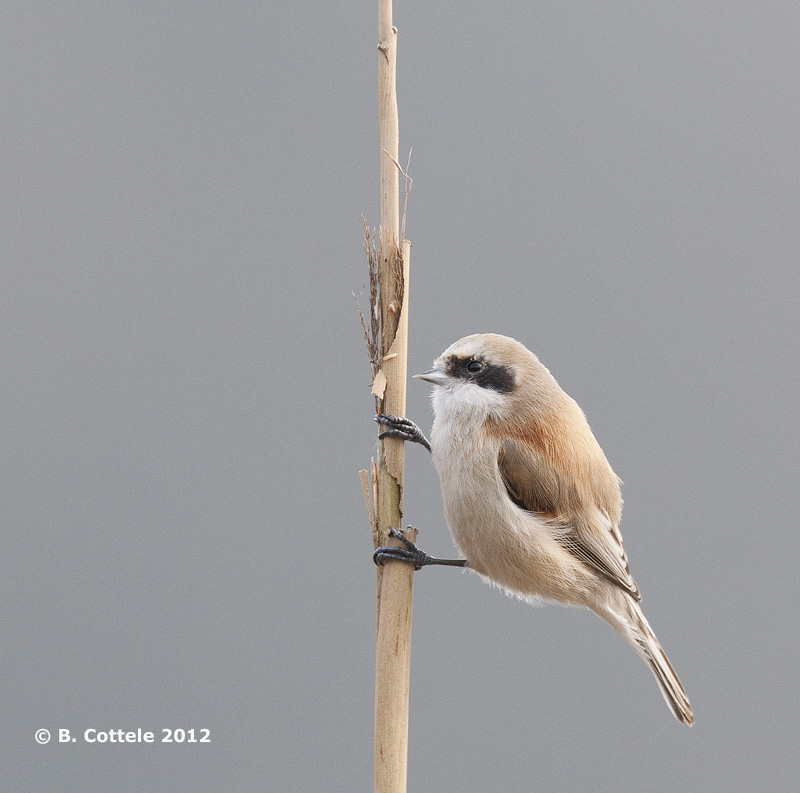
(466, 404)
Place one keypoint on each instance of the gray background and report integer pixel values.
(185, 389)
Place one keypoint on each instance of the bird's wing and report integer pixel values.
(534, 484)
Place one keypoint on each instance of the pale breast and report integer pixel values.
(513, 548)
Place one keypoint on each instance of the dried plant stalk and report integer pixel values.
(386, 337)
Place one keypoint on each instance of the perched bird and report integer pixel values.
(530, 499)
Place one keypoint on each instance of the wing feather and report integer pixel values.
(588, 533)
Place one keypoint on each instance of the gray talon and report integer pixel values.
(411, 554)
(402, 428)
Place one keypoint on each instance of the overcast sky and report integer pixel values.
(185, 390)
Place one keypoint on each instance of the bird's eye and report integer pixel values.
(474, 366)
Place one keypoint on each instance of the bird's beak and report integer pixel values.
(435, 376)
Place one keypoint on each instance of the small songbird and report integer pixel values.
(530, 499)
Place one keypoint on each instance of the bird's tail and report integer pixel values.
(634, 627)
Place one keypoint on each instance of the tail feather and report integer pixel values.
(671, 689)
(635, 628)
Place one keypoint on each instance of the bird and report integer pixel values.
(531, 501)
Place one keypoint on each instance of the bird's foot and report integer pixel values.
(410, 554)
(402, 428)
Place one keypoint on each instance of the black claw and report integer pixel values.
(411, 554)
(402, 428)
(399, 535)
(383, 555)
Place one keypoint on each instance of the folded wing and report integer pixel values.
(582, 528)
